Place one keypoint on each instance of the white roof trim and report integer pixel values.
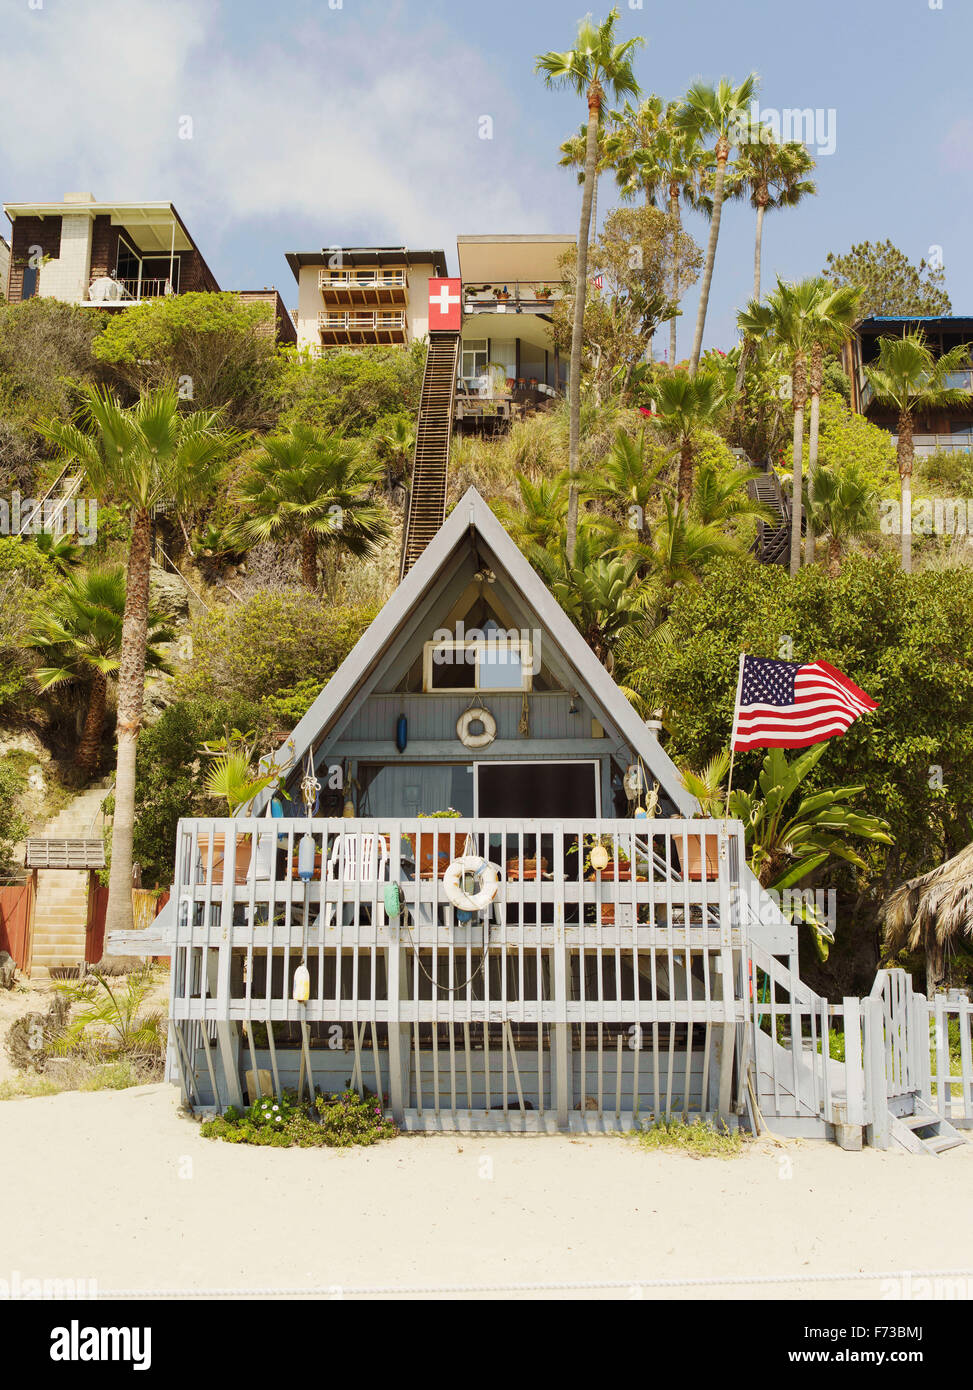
(472, 513)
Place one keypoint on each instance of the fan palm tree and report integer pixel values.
(842, 505)
(399, 441)
(684, 405)
(136, 457)
(771, 176)
(312, 486)
(596, 62)
(835, 322)
(909, 380)
(79, 637)
(673, 162)
(718, 112)
(574, 155)
(795, 317)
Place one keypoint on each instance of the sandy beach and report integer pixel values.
(120, 1188)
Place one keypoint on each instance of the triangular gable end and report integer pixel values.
(430, 592)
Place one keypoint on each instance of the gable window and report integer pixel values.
(495, 661)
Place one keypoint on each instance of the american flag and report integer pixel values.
(781, 704)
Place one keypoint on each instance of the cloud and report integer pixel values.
(341, 125)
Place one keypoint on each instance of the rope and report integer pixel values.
(696, 1282)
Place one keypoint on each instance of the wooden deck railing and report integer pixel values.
(616, 992)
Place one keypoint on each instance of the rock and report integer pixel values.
(168, 594)
(8, 970)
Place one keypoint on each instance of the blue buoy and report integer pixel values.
(401, 733)
(305, 857)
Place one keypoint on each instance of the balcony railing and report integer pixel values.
(361, 320)
(925, 444)
(535, 296)
(348, 279)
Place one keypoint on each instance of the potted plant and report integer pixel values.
(503, 295)
(544, 292)
(429, 860)
(707, 787)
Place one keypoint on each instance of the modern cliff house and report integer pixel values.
(947, 430)
(112, 256)
(360, 296)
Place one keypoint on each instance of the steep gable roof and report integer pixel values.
(472, 519)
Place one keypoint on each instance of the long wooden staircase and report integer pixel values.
(426, 510)
(773, 543)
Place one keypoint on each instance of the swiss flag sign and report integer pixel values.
(445, 306)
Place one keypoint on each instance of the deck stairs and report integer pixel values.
(773, 543)
(916, 1127)
(426, 509)
(61, 903)
(64, 489)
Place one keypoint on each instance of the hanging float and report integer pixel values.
(464, 728)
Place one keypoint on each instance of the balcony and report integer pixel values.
(955, 381)
(350, 327)
(923, 445)
(518, 297)
(351, 288)
(107, 291)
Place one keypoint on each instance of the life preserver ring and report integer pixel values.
(476, 716)
(486, 874)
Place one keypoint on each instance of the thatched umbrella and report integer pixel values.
(932, 912)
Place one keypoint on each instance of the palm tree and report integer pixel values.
(595, 62)
(672, 161)
(574, 155)
(720, 497)
(772, 176)
(399, 441)
(625, 482)
(684, 405)
(312, 486)
(537, 520)
(79, 636)
(910, 381)
(932, 913)
(842, 505)
(136, 458)
(681, 548)
(836, 319)
(796, 317)
(603, 595)
(714, 111)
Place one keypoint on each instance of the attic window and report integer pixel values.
(492, 662)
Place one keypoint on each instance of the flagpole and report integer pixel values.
(736, 708)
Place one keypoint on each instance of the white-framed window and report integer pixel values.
(492, 662)
(474, 360)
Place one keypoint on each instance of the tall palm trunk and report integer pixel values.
(797, 503)
(309, 560)
(905, 452)
(593, 229)
(131, 693)
(674, 214)
(89, 748)
(762, 200)
(577, 330)
(722, 155)
(817, 380)
(834, 557)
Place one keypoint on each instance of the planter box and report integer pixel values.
(694, 869)
(427, 854)
(524, 869)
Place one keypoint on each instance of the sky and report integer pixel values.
(307, 123)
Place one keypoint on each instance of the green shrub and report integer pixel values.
(351, 391)
(13, 826)
(268, 644)
(334, 1121)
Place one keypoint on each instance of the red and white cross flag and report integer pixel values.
(445, 311)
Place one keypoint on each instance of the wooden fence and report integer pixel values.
(16, 920)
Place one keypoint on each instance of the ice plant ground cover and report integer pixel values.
(332, 1121)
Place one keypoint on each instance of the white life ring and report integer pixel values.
(476, 716)
(486, 873)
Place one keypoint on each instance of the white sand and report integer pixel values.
(118, 1187)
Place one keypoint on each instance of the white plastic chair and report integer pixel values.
(356, 858)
